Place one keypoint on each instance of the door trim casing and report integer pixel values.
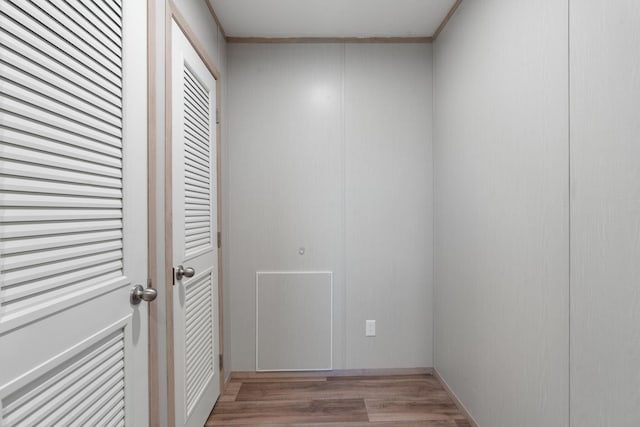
(172, 13)
(154, 387)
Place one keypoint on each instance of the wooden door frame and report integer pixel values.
(173, 14)
(153, 373)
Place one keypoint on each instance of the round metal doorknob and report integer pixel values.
(184, 272)
(138, 293)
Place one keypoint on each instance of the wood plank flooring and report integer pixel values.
(384, 401)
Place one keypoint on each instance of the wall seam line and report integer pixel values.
(569, 204)
(345, 326)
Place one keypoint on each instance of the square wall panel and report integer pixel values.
(294, 320)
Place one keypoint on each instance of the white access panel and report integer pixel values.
(294, 313)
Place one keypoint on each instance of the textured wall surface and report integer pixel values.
(388, 196)
(330, 150)
(501, 219)
(605, 213)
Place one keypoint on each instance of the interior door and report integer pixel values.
(73, 349)
(194, 224)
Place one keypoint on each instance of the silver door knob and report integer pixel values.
(184, 272)
(138, 293)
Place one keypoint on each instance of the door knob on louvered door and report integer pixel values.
(184, 272)
(138, 293)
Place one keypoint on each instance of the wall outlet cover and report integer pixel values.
(370, 328)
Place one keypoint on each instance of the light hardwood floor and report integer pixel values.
(393, 400)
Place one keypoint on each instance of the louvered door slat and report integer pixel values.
(42, 242)
(86, 24)
(103, 402)
(196, 334)
(50, 67)
(112, 9)
(196, 241)
(31, 185)
(197, 141)
(59, 108)
(56, 115)
(198, 195)
(197, 161)
(39, 200)
(197, 117)
(197, 203)
(46, 92)
(98, 394)
(63, 402)
(26, 260)
(58, 174)
(196, 149)
(200, 371)
(197, 191)
(68, 385)
(110, 410)
(202, 228)
(194, 86)
(196, 177)
(199, 355)
(101, 350)
(197, 102)
(197, 224)
(195, 314)
(18, 230)
(201, 349)
(114, 24)
(29, 148)
(76, 27)
(41, 215)
(70, 37)
(96, 17)
(37, 272)
(61, 195)
(195, 129)
(59, 48)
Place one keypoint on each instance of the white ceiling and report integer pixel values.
(331, 18)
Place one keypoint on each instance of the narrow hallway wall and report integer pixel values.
(501, 220)
(605, 213)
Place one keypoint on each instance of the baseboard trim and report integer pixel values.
(239, 375)
(455, 399)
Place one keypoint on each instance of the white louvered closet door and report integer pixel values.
(73, 350)
(194, 202)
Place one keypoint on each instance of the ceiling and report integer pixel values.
(331, 18)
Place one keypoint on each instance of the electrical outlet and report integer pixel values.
(370, 328)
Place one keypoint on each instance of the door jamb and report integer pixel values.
(153, 372)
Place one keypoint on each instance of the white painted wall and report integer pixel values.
(203, 25)
(329, 149)
(389, 205)
(605, 213)
(501, 219)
